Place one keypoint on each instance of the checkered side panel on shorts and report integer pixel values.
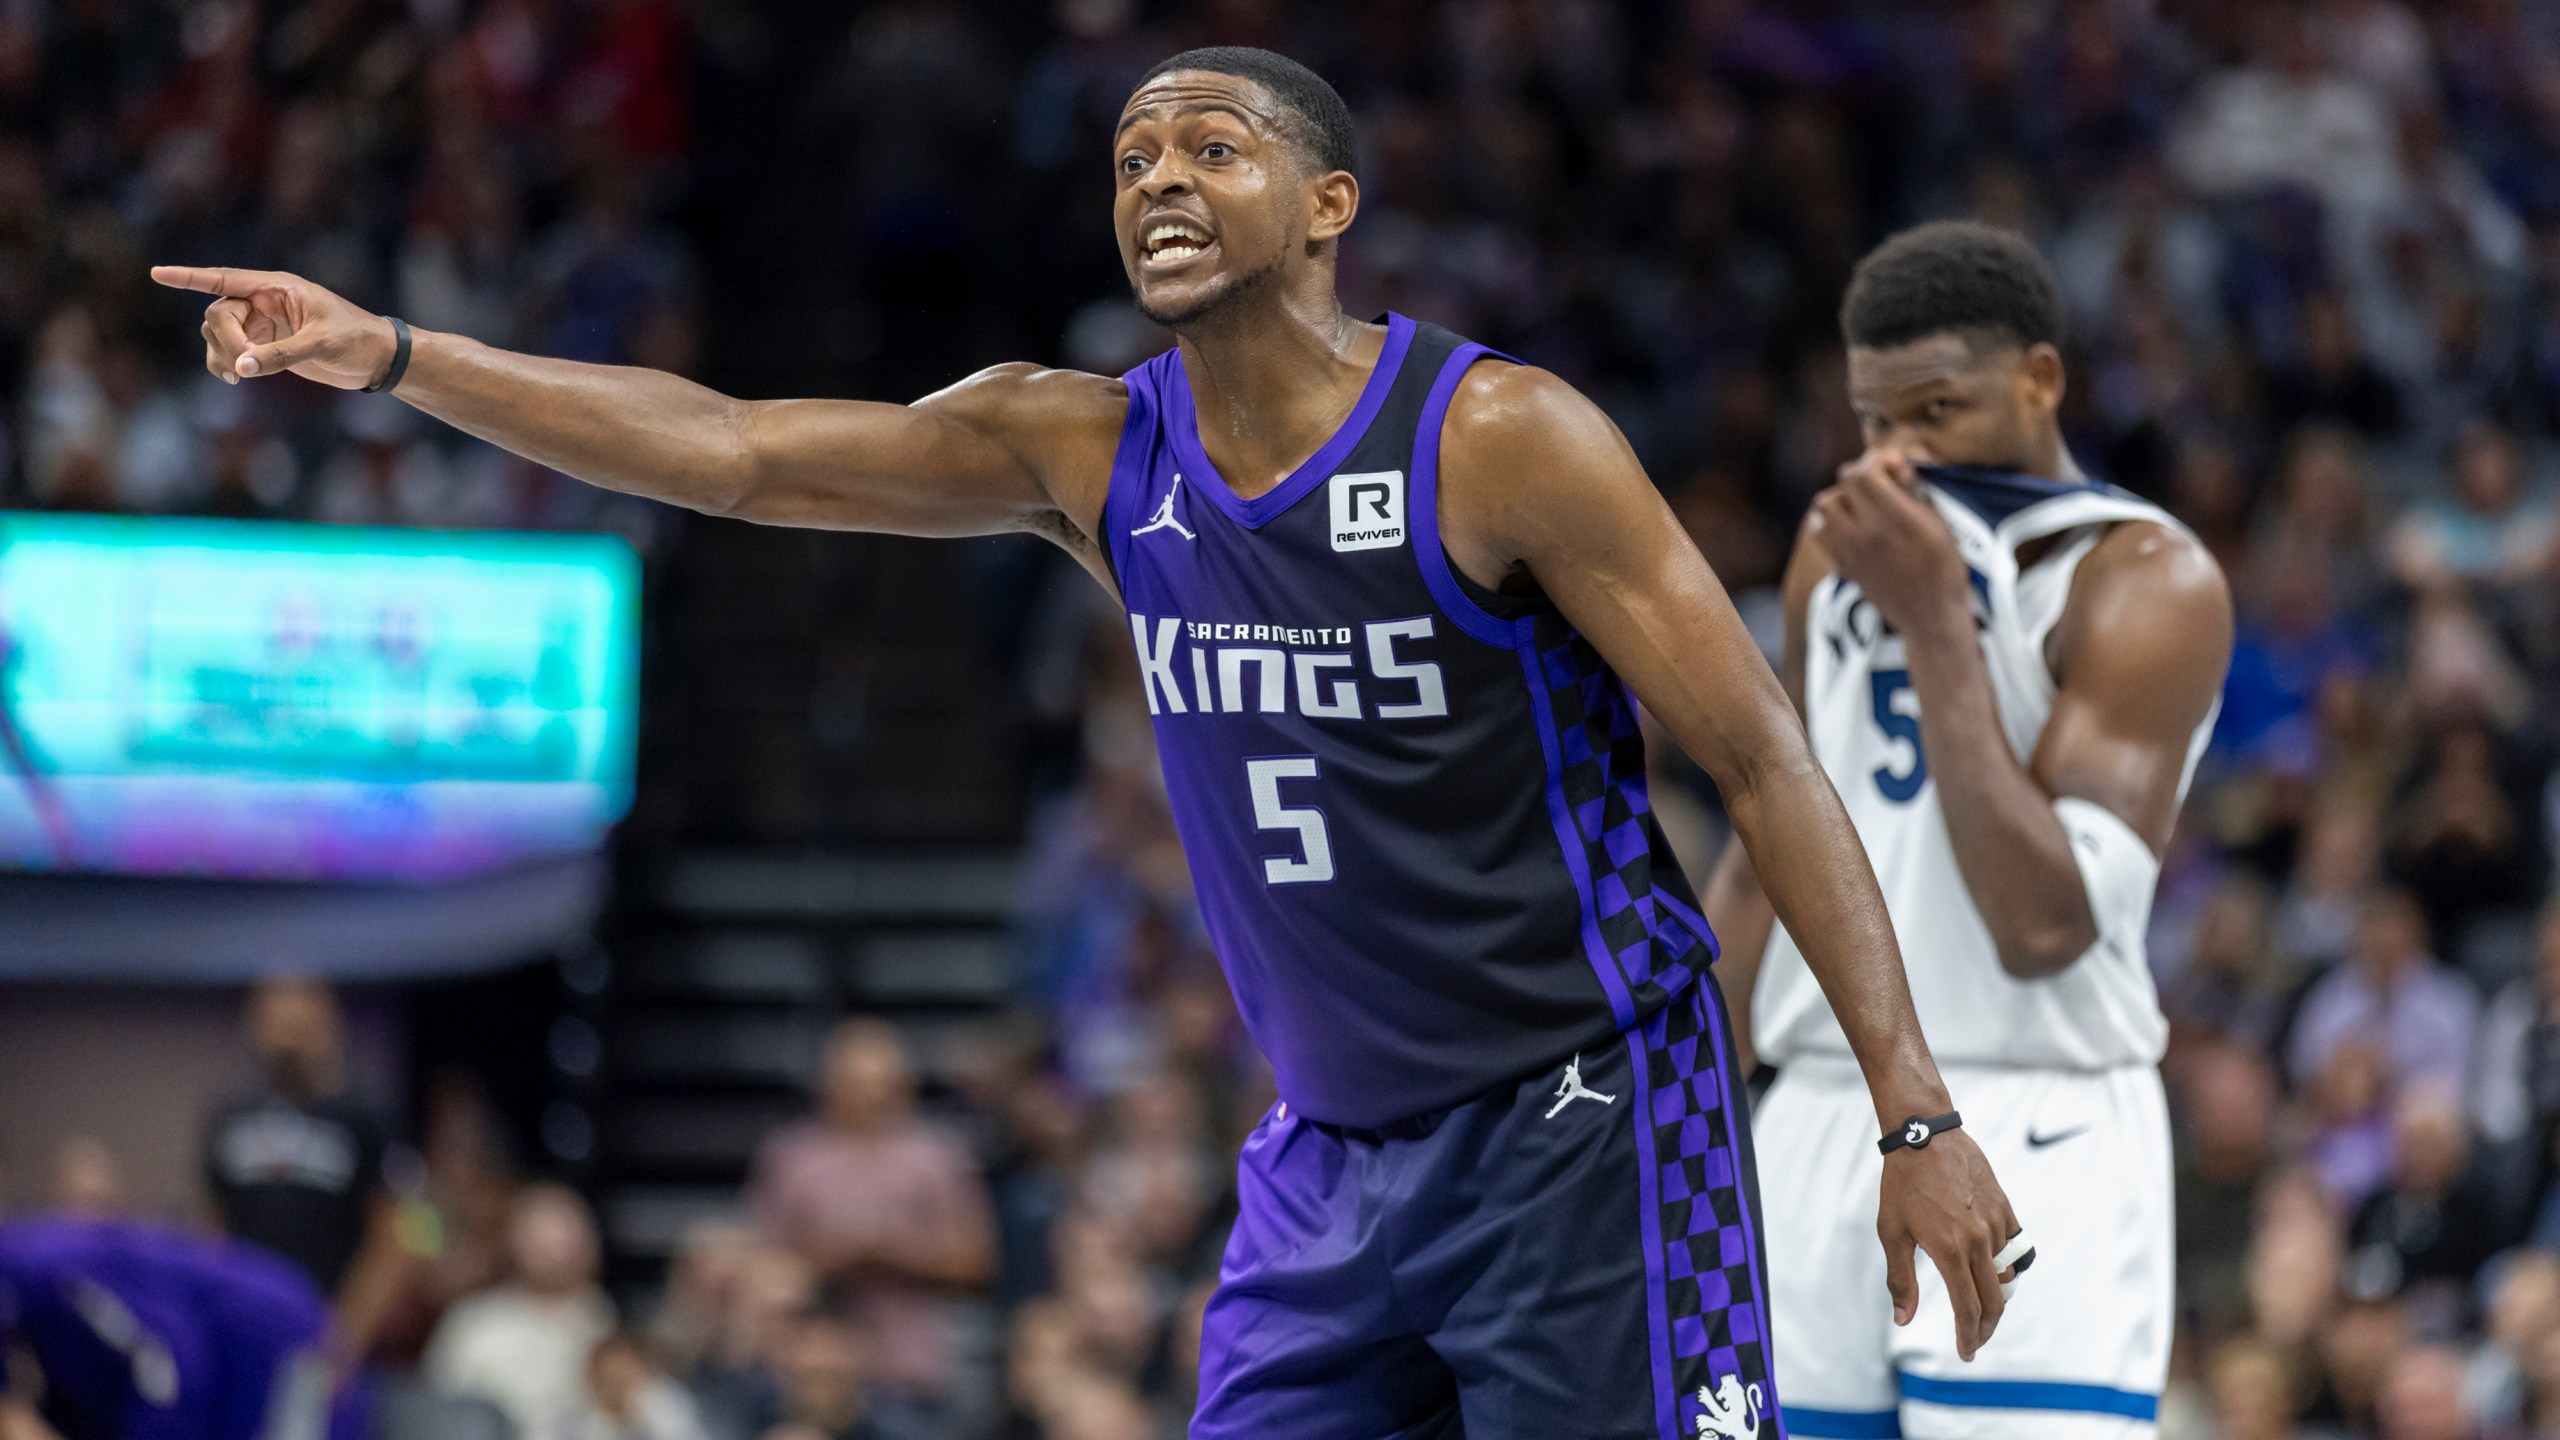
(1714, 1296)
(1602, 752)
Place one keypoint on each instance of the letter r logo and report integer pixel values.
(1368, 510)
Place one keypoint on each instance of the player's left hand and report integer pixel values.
(1944, 1199)
(1885, 536)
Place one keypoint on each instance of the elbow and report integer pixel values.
(2046, 950)
(1775, 771)
(738, 467)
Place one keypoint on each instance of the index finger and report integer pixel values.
(1886, 472)
(236, 284)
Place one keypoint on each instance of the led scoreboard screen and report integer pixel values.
(309, 702)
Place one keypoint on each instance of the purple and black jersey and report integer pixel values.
(149, 1334)
(1415, 810)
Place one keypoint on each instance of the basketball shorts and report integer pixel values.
(1575, 1254)
(2083, 1350)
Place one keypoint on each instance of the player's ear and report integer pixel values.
(2042, 377)
(1333, 200)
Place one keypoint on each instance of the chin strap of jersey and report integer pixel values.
(1918, 1131)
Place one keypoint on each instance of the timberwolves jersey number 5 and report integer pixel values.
(1863, 714)
(2054, 1075)
(1415, 809)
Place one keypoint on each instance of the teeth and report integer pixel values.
(1175, 241)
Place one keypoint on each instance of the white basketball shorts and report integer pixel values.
(2083, 1350)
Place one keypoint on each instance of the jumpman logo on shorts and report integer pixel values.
(1573, 1089)
(1164, 518)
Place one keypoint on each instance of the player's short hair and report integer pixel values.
(1319, 122)
(1952, 276)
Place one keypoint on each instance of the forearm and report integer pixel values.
(1739, 912)
(1819, 885)
(977, 458)
(2009, 845)
(643, 432)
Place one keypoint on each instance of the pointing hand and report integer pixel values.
(267, 322)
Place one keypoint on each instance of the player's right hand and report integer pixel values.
(265, 322)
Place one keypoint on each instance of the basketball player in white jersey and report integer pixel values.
(2009, 671)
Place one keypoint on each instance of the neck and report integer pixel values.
(1271, 382)
(2053, 458)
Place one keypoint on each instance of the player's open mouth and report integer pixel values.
(1168, 244)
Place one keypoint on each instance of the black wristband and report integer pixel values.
(1917, 1132)
(399, 356)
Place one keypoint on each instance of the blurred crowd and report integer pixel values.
(1027, 1261)
(2311, 257)
(497, 169)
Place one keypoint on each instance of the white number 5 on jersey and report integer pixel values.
(1316, 848)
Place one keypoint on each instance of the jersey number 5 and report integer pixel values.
(1903, 725)
(1315, 864)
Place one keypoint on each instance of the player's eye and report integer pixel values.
(1133, 163)
(1216, 150)
(1943, 407)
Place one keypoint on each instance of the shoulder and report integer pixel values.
(1530, 469)
(1027, 398)
(1504, 413)
(2159, 555)
(2145, 577)
(1060, 427)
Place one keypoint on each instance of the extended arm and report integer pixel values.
(1539, 481)
(2144, 640)
(1734, 902)
(1013, 448)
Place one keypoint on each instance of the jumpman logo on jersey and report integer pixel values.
(1164, 518)
(1573, 1089)
(1731, 1411)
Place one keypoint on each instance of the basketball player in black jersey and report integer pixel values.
(1385, 663)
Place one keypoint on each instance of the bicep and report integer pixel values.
(1560, 491)
(899, 469)
(2147, 646)
(1004, 450)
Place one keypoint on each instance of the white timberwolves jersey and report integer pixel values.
(1863, 715)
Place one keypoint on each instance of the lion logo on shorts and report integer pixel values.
(1731, 1411)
